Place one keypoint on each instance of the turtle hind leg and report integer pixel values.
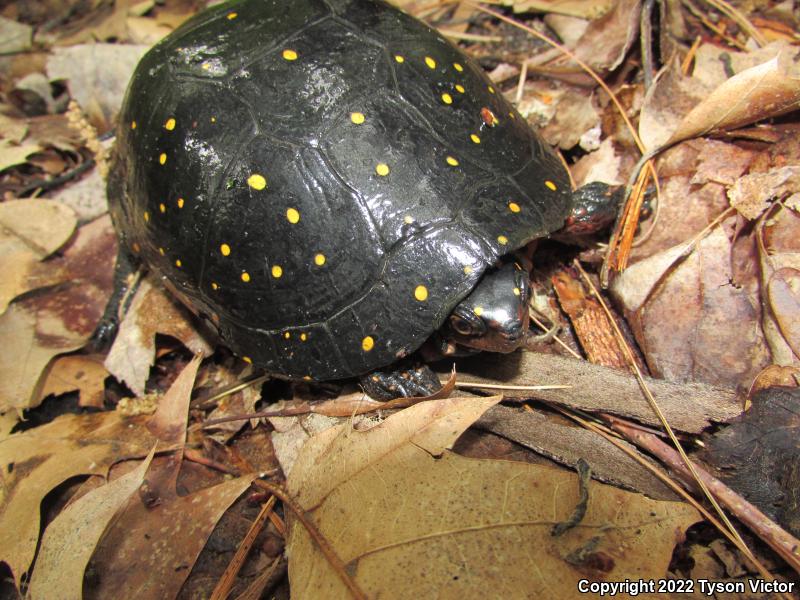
(124, 286)
(403, 381)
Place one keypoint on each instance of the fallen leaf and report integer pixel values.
(574, 116)
(365, 490)
(85, 374)
(784, 301)
(751, 194)
(69, 541)
(152, 311)
(608, 39)
(87, 197)
(575, 8)
(38, 460)
(14, 37)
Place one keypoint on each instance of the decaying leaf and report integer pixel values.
(69, 541)
(751, 194)
(14, 37)
(152, 311)
(85, 374)
(784, 301)
(451, 526)
(37, 461)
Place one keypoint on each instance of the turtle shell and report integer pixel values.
(324, 180)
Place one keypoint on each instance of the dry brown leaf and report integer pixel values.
(30, 230)
(83, 373)
(691, 322)
(575, 8)
(608, 39)
(574, 116)
(87, 197)
(752, 193)
(169, 422)
(411, 520)
(14, 37)
(151, 311)
(49, 455)
(784, 302)
(69, 541)
(766, 90)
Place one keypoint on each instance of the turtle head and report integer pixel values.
(494, 316)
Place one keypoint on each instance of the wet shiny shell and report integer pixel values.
(323, 180)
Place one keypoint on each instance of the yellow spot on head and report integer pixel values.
(467, 270)
(170, 124)
(289, 54)
(430, 62)
(551, 185)
(133, 124)
(478, 311)
(247, 359)
(292, 215)
(357, 118)
(231, 17)
(162, 158)
(245, 276)
(452, 161)
(277, 271)
(491, 89)
(399, 58)
(146, 216)
(162, 207)
(225, 249)
(256, 181)
(502, 239)
(178, 263)
(458, 67)
(517, 291)
(303, 337)
(514, 207)
(287, 335)
(214, 286)
(475, 139)
(161, 251)
(367, 343)
(382, 169)
(136, 247)
(180, 202)
(460, 88)
(447, 98)
(421, 293)
(319, 259)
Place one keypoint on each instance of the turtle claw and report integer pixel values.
(418, 380)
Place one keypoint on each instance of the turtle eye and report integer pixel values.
(460, 325)
(465, 322)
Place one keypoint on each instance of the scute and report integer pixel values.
(324, 180)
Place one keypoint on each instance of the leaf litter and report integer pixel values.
(711, 301)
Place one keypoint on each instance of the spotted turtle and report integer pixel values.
(330, 183)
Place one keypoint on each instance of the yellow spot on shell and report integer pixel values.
(303, 337)
(467, 270)
(289, 54)
(146, 216)
(502, 239)
(161, 251)
(512, 115)
(231, 17)
(170, 124)
(245, 276)
(214, 286)
(551, 185)
(357, 118)
(277, 271)
(447, 98)
(517, 291)
(213, 119)
(205, 66)
(178, 263)
(478, 311)
(408, 219)
(399, 59)
(292, 215)
(475, 139)
(514, 207)
(382, 169)
(162, 158)
(421, 293)
(247, 359)
(452, 161)
(287, 335)
(225, 249)
(162, 207)
(367, 343)
(430, 62)
(256, 181)
(133, 124)
(458, 67)
(181, 202)
(491, 89)
(319, 259)
(136, 247)
(460, 88)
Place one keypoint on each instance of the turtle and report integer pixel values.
(330, 184)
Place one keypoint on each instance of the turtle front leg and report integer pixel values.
(401, 382)
(124, 285)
